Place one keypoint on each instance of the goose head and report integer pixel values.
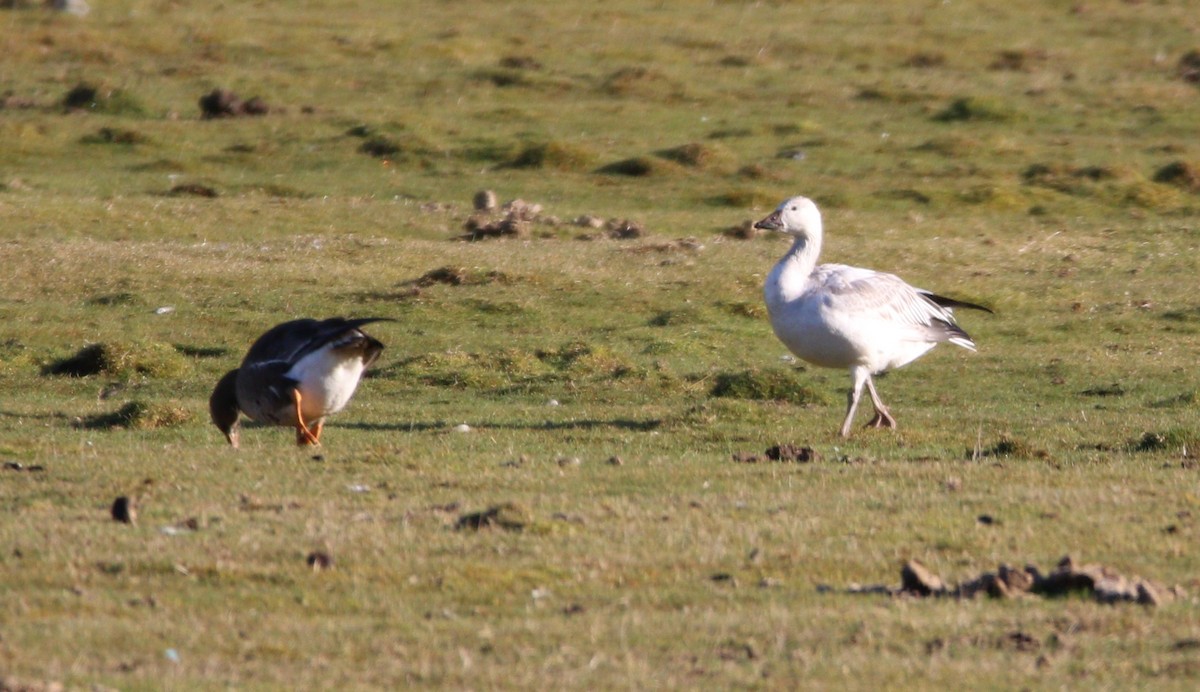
(797, 217)
(223, 407)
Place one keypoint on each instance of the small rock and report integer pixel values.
(992, 584)
(1017, 580)
(589, 221)
(462, 428)
(986, 519)
(615, 461)
(917, 579)
(568, 461)
(523, 210)
(1147, 594)
(485, 200)
(124, 511)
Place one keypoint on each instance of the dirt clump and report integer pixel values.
(484, 200)
(516, 221)
(1181, 174)
(510, 516)
(124, 510)
(1100, 582)
(223, 103)
(1189, 67)
(779, 452)
(917, 579)
(742, 231)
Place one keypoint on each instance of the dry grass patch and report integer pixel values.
(1181, 174)
(642, 82)
(559, 156)
(103, 99)
(139, 415)
(977, 109)
(775, 384)
(122, 359)
(697, 155)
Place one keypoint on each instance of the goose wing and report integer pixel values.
(945, 302)
(291, 341)
(860, 295)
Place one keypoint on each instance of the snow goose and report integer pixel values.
(296, 374)
(837, 316)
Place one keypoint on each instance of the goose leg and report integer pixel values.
(304, 436)
(861, 377)
(882, 418)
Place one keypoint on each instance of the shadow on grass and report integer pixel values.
(586, 424)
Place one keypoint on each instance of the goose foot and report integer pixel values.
(882, 419)
(304, 436)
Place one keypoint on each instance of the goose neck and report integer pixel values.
(801, 259)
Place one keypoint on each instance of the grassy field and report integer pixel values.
(1040, 158)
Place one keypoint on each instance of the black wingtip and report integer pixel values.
(944, 302)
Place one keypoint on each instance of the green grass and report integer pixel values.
(1044, 166)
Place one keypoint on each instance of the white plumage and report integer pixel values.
(837, 316)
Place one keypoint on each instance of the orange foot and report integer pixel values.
(305, 436)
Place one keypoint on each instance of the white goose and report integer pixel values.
(837, 316)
